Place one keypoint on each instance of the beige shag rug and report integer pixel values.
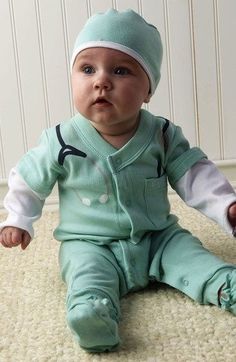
(159, 324)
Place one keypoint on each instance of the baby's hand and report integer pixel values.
(12, 236)
(232, 217)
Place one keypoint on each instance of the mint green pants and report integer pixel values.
(97, 276)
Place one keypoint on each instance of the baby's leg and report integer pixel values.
(93, 279)
(180, 260)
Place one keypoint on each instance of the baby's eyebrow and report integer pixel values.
(115, 61)
(84, 57)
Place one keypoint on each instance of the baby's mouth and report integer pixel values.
(102, 101)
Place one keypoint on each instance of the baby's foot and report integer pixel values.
(227, 294)
(92, 325)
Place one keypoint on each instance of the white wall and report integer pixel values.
(197, 88)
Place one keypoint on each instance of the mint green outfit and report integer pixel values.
(115, 228)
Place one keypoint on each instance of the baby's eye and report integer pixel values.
(121, 71)
(88, 69)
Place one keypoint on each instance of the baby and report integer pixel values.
(111, 163)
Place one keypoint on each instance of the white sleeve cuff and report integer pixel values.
(19, 222)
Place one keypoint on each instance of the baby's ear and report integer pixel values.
(147, 99)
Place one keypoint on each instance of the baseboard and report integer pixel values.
(228, 168)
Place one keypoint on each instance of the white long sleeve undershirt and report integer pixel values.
(23, 205)
(206, 189)
(202, 187)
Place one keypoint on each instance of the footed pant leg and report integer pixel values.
(95, 283)
(228, 293)
(180, 260)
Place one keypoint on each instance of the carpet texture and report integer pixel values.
(159, 323)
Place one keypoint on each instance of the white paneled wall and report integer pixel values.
(197, 88)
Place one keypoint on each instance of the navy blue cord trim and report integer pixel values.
(66, 149)
(164, 129)
(160, 169)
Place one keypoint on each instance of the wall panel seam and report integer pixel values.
(168, 59)
(42, 64)
(89, 8)
(194, 74)
(114, 4)
(67, 52)
(3, 165)
(18, 75)
(140, 7)
(218, 77)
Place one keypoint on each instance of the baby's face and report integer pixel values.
(109, 88)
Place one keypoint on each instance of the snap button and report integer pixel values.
(186, 282)
(86, 201)
(103, 198)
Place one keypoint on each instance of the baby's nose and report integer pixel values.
(103, 81)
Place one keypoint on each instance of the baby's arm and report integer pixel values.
(13, 236)
(24, 207)
(205, 188)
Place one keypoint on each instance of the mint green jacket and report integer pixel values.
(108, 194)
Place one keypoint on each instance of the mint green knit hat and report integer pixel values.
(128, 32)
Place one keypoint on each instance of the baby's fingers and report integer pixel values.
(25, 240)
(2, 241)
(10, 237)
(5, 240)
(16, 237)
(232, 214)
